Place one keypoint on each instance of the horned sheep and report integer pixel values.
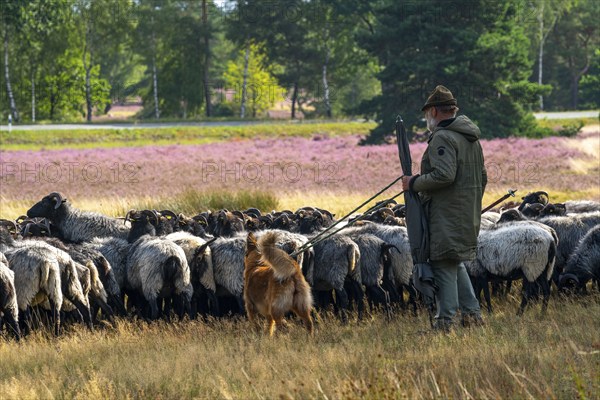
(74, 225)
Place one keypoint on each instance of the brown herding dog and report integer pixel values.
(274, 284)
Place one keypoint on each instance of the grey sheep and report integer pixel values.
(374, 262)
(584, 263)
(228, 263)
(202, 274)
(582, 206)
(336, 262)
(36, 276)
(511, 252)
(69, 279)
(400, 260)
(157, 267)
(75, 225)
(9, 309)
(115, 251)
(570, 230)
(489, 219)
(106, 289)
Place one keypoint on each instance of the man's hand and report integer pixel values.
(405, 182)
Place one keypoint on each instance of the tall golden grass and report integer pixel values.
(531, 357)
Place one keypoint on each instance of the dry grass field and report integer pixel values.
(556, 356)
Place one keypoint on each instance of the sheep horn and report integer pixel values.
(47, 226)
(8, 223)
(58, 197)
(152, 214)
(201, 219)
(26, 229)
(128, 215)
(564, 278)
(167, 213)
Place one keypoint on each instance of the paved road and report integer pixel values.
(567, 115)
(549, 115)
(149, 125)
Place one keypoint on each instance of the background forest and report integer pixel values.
(73, 60)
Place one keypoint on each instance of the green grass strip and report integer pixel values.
(108, 138)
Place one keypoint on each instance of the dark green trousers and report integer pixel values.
(455, 291)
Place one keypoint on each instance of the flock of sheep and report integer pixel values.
(59, 264)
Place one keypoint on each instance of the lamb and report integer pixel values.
(584, 263)
(157, 267)
(75, 225)
(8, 299)
(511, 252)
(199, 258)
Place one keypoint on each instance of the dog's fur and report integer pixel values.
(274, 284)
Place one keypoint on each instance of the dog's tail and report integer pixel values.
(283, 265)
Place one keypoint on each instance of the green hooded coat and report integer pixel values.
(451, 185)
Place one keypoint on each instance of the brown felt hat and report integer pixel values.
(441, 96)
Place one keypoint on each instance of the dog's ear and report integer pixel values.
(251, 242)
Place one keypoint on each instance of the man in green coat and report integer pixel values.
(451, 186)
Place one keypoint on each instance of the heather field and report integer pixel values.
(324, 169)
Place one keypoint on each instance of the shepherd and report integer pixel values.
(451, 186)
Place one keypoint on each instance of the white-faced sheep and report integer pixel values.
(584, 263)
(511, 252)
(74, 225)
(9, 309)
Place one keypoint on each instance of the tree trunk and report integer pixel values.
(88, 92)
(245, 82)
(326, 86)
(541, 53)
(207, 90)
(574, 92)
(33, 95)
(13, 107)
(294, 99)
(155, 87)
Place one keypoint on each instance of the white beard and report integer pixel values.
(430, 123)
